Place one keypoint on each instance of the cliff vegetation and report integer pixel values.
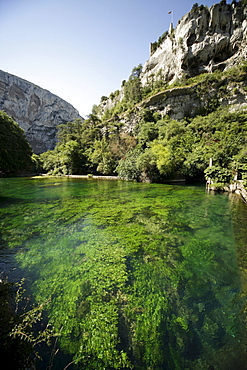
(157, 147)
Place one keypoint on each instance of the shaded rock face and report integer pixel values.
(204, 40)
(37, 111)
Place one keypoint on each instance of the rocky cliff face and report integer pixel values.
(204, 40)
(37, 111)
(178, 103)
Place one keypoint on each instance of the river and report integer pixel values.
(141, 276)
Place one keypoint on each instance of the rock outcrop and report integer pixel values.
(37, 111)
(204, 40)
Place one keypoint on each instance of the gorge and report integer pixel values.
(142, 274)
(37, 111)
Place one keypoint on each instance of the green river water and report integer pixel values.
(138, 276)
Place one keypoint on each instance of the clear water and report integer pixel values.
(142, 276)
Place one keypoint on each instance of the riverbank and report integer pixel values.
(94, 177)
(97, 177)
(104, 177)
(241, 190)
(236, 187)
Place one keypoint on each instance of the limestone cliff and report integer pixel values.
(204, 40)
(37, 111)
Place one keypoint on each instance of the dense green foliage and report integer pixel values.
(87, 147)
(15, 152)
(141, 276)
(186, 147)
(158, 148)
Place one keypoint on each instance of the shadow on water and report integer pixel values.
(7, 262)
(4, 201)
(51, 357)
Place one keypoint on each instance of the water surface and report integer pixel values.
(142, 276)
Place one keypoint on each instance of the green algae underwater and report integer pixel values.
(138, 276)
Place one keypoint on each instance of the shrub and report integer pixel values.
(219, 174)
(127, 168)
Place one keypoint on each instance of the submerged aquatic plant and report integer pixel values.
(138, 276)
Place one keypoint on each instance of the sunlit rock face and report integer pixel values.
(204, 40)
(37, 111)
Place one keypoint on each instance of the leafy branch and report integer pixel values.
(24, 327)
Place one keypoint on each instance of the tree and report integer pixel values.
(136, 71)
(163, 156)
(127, 168)
(75, 143)
(15, 151)
(101, 156)
(66, 159)
(219, 175)
(146, 164)
(195, 7)
(148, 132)
(133, 87)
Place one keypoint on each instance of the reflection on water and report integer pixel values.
(141, 276)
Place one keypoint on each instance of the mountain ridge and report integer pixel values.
(37, 111)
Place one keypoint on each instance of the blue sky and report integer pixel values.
(82, 49)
